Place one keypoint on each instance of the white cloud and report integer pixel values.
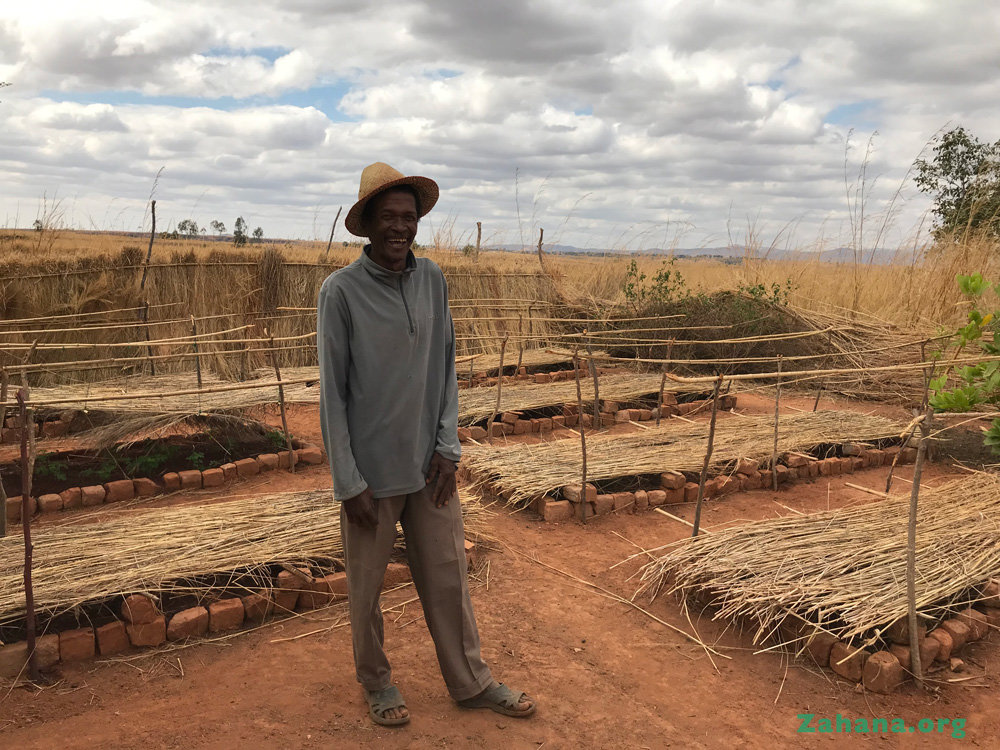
(624, 119)
(70, 116)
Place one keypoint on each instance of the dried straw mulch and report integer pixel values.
(488, 362)
(170, 549)
(522, 472)
(475, 404)
(843, 570)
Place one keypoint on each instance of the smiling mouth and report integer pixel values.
(398, 243)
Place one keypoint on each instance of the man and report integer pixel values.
(389, 411)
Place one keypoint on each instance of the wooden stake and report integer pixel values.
(144, 313)
(708, 456)
(149, 349)
(597, 390)
(479, 237)
(583, 439)
(27, 468)
(911, 550)
(471, 361)
(541, 259)
(895, 460)
(774, 450)
(4, 384)
(520, 345)
(149, 251)
(4, 388)
(194, 342)
(818, 394)
(330, 242)
(496, 408)
(245, 358)
(281, 403)
(663, 381)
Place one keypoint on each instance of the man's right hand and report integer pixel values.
(361, 510)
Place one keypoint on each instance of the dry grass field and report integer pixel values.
(916, 291)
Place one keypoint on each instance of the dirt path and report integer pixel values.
(605, 675)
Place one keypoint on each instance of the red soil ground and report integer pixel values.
(604, 674)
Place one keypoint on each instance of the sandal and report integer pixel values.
(380, 701)
(500, 698)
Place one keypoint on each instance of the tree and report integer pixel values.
(963, 177)
(188, 227)
(240, 232)
(218, 226)
(37, 225)
(258, 234)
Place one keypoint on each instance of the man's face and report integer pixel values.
(392, 228)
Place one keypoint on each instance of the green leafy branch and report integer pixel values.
(978, 384)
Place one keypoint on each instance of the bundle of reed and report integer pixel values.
(475, 404)
(523, 472)
(174, 549)
(842, 570)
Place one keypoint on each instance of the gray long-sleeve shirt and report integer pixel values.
(388, 389)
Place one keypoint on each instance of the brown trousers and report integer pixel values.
(435, 550)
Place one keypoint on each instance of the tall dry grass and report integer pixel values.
(916, 290)
(76, 274)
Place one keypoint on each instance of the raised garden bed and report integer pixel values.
(66, 480)
(178, 573)
(842, 602)
(623, 470)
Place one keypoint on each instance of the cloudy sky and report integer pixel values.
(629, 124)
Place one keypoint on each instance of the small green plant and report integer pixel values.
(666, 286)
(48, 465)
(149, 463)
(277, 439)
(197, 459)
(972, 385)
(776, 294)
(102, 472)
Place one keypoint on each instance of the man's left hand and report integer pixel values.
(442, 473)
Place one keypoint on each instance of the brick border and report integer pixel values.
(678, 487)
(888, 669)
(141, 623)
(120, 490)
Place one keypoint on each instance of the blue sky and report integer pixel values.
(326, 98)
(625, 125)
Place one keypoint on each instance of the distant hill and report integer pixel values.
(727, 254)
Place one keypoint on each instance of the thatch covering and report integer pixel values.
(489, 362)
(156, 395)
(475, 404)
(105, 417)
(522, 472)
(166, 549)
(844, 570)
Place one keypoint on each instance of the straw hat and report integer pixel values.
(377, 178)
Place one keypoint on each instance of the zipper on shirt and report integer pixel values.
(405, 306)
